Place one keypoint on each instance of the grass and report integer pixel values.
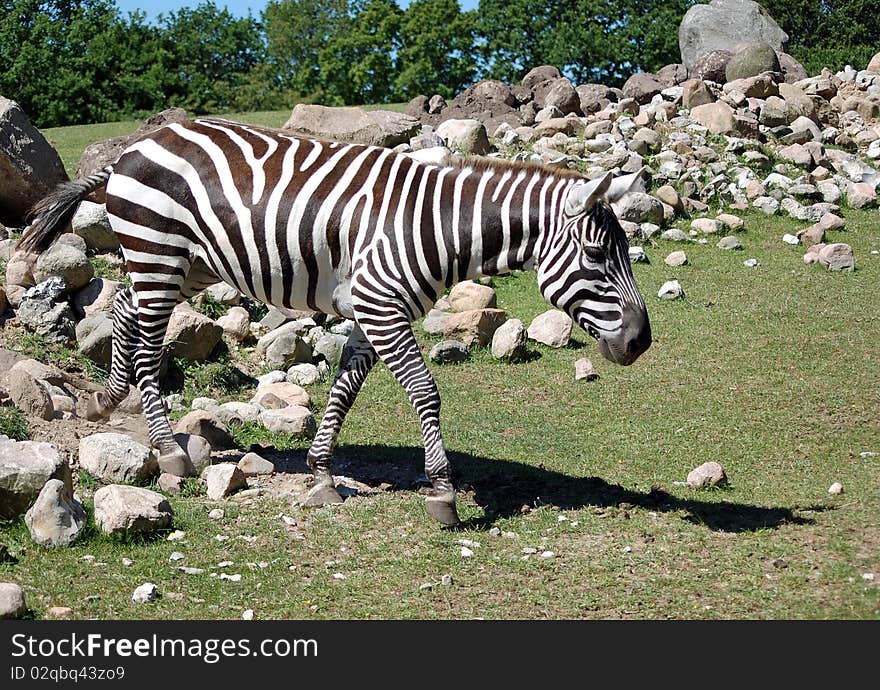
(14, 424)
(770, 371)
(65, 356)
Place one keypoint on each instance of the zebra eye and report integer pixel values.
(594, 253)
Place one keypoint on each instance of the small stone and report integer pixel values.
(671, 289)
(675, 235)
(176, 535)
(293, 419)
(176, 556)
(126, 562)
(637, 255)
(552, 328)
(731, 242)
(28, 395)
(707, 225)
(546, 554)
(790, 239)
(206, 424)
(59, 612)
(509, 341)
(529, 550)
(707, 474)
(835, 489)
(236, 577)
(57, 518)
(469, 294)
(466, 552)
(146, 593)
(449, 351)
(584, 370)
(303, 374)
(253, 465)
(186, 570)
(12, 602)
(446, 580)
(494, 532)
(837, 257)
(223, 480)
(751, 263)
(340, 576)
(216, 514)
(868, 577)
(247, 615)
(677, 258)
(169, 483)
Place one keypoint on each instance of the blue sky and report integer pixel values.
(237, 7)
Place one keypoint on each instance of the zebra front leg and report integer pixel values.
(358, 357)
(125, 338)
(396, 346)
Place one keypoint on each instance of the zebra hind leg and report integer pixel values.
(397, 347)
(125, 338)
(358, 357)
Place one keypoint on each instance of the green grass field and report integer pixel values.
(772, 371)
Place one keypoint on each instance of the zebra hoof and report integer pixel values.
(442, 509)
(96, 410)
(323, 494)
(176, 462)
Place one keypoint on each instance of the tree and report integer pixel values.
(436, 53)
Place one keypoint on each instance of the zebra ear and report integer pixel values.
(625, 184)
(582, 197)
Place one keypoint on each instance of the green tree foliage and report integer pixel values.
(829, 33)
(436, 53)
(590, 40)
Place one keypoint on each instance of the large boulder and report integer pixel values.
(751, 60)
(92, 224)
(467, 136)
(121, 509)
(474, 327)
(373, 128)
(191, 335)
(66, 261)
(29, 166)
(712, 66)
(642, 87)
(57, 518)
(724, 24)
(114, 457)
(94, 338)
(552, 328)
(25, 467)
(28, 395)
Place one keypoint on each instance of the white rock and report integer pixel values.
(552, 328)
(114, 457)
(146, 593)
(751, 263)
(671, 289)
(707, 474)
(835, 489)
(223, 480)
(57, 518)
(131, 509)
(252, 465)
(293, 419)
(216, 514)
(12, 601)
(790, 239)
(466, 552)
(25, 467)
(584, 370)
(509, 341)
(247, 615)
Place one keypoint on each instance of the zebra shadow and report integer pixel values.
(503, 487)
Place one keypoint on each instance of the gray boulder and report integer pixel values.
(509, 341)
(66, 261)
(449, 351)
(373, 128)
(94, 337)
(46, 317)
(29, 166)
(191, 335)
(12, 602)
(465, 135)
(123, 509)
(205, 423)
(113, 457)
(329, 346)
(223, 480)
(28, 395)
(92, 224)
(638, 207)
(724, 24)
(293, 419)
(752, 60)
(642, 87)
(552, 328)
(56, 518)
(712, 66)
(25, 467)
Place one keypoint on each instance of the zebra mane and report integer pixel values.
(481, 163)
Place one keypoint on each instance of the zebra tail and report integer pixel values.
(50, 216)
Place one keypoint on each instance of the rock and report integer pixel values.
(860, 195)
(191, 335)
(330, 346)
(290, 393)
(792, 70)
(373, 128)
(637, 255)
(131, 509)
(199, 451)
(236, 324)
(237, 412)
(707, 474)
(59, 612)
(538, 75)
(56, 518)
(766, 204)
(113, 457)
(449, 351)
(837, 257)
(468, 295)
(759, 86)
(730, 242)
(96, 297)
(752, 60)
(815, 234)
(835, 489)
(293, 419)
(474, 327)
(562, 96)
(675, 235)
(90, 222)
(642, 87)
(751, 263)
(29, 166)
(707, 226)
(671, 289)
(711, 66)
(288, 349)
(290, 328)
(552, 328)
(718, 117)
(169, 483)
(66, 261)
(94, 336)
(584, 370)
(638, 207)
(467, 136)
(25, 467)
(253, 465)
(695, 92)
(725, 24)
(223, 480)
(677, 258)
(205, 423)
(43, 316)
(12, 602)
(509, 341)
(798, 104)
(28, 395)
(303, 374)
(145, 594)
(224, 293)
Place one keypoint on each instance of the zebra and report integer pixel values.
(361, 232)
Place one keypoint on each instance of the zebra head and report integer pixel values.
(586, 270)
